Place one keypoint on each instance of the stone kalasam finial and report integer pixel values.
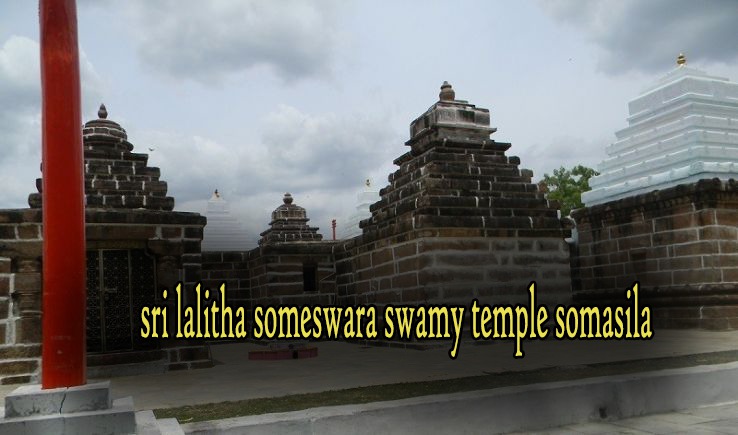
(287, 198)
(681, 59)
(447, 92)
(102, 112)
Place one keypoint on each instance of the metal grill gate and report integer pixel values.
(119, 283)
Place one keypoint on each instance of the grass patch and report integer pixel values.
(377, 393)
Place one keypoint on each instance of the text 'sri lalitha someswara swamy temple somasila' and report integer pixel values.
(458, 219)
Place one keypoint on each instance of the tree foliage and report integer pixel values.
(566, 186)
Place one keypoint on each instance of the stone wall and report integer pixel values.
(459, 220)
(680, 243)
(172, 238)
(452, 270)
(231, 268)
(20, 295)
(272, 274)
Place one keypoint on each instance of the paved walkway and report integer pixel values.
(343, 365)
(721, 419)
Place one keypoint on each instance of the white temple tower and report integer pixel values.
(223, 232)
(681, 129)
(368, 196)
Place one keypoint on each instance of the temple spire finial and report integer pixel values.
(447, 92)
(681, 59)
(102, 113)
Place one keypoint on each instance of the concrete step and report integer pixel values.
(30, 400)
(147, 424)
(119, 419)
(170, 426)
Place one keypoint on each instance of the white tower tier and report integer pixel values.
(223, 232)
(682, 129)
(365, 199)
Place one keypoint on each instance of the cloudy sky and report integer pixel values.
(257, 98)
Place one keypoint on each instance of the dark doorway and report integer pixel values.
(120, 282)
(310, 277)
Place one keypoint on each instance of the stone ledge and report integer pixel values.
(32, 400)
(702, 192)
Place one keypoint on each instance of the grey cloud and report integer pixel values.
(647, 35)
(321, 159)
(296, 152)
(20, 116)
(208, 41)
(325, 151)
(543, 159)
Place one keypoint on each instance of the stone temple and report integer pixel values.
(663, 211)
(458, 219)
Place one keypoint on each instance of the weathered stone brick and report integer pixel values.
(27, 282)
(675, 237)
(643, 241)
(696, 276)
(4, 286)
(7, 232)
(727, 217)
(29, 231)
(718, 233)
(405, 250)
(698, 248)
(405, 280)
(466, 258)
(694, 262)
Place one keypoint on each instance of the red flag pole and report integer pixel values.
(64, 265)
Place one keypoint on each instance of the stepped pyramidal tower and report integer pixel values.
(663, 211)
(459, 219)
(223, 231)
(681, 129)
(115, 176)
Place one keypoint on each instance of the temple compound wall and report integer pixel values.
(680, 243)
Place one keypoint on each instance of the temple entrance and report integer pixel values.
(119, 283)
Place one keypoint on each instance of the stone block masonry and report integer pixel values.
(136, 247)
(20, 296)
(273, 274)
(681, 243)
(115, 176)
(459, 220)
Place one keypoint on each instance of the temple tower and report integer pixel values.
(289, 224)
(223, 231)
(137, 246)
(458, 220)
(663, 211)
(368, 196)
(681, 129)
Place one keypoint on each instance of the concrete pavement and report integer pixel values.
(343, 365)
